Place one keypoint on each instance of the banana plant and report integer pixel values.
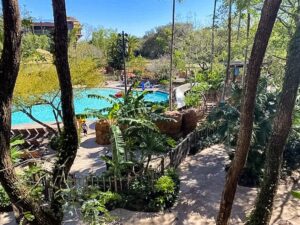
(15, 152)
(128, 113)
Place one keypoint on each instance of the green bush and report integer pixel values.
(164, 82)
(110, 199)
(164, 184)
(95, 213)
(56, 143)
(145, 194)
(4, 199)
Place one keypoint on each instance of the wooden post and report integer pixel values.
(120, 179)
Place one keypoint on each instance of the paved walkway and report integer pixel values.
(202, 179)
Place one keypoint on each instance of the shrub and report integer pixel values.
(145, 194)
(4, 200)
(164, 82)
(164, 184)
(110, 199)
(56, 143)
(95, 213)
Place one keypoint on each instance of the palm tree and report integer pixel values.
(133, 44)
(266, 23)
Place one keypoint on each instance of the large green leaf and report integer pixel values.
(296, 194)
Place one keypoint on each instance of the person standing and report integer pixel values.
(84, 128)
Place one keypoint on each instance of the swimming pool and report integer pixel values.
(81, 102)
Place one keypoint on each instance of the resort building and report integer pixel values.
(47, 27)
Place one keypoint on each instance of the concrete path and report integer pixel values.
(202, 180)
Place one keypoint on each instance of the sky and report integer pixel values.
(133, 16)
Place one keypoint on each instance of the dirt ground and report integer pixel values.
(202, 179)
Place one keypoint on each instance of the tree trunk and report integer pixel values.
(9, 68)
(281, 127)
(247, 47)
(70, 137)
(265, 26)
(239, 26)
(171, 59)
(228, 53)
(213, 36)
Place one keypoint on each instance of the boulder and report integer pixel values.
(171, 127)
(189, 120)
(102, 132)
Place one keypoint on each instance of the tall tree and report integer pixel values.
(281, 127)
(247, 45)
(213, 35)
(171, 58)
(265, 26)
(228, 51)
(9, 68)
(68, 151)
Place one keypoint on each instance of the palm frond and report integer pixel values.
(139, 122)
(100, 97)
(118, 142)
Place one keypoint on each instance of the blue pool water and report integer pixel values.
(81, 103)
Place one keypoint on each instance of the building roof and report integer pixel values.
(43, 24)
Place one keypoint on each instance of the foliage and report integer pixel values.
(43, 88)
(131, 119)
(108, 41)
(194, 97)
(56, 142)
(32, 42)
(4, 199)
(156, 42)
(15, 146)
(164, 184)
(95, 213)
(144, 196)
(137, 65)
(225, 120)
(296, 194)
(109, 199)
(160, 68)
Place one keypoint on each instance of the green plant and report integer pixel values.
(296, 194)
(164, 82)
(109, 199)
(128, 115)
(15, 152)
(4, 199)
(95, 213)
(194, 97)
(56, 142)
(225, 121)
(164, 184)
